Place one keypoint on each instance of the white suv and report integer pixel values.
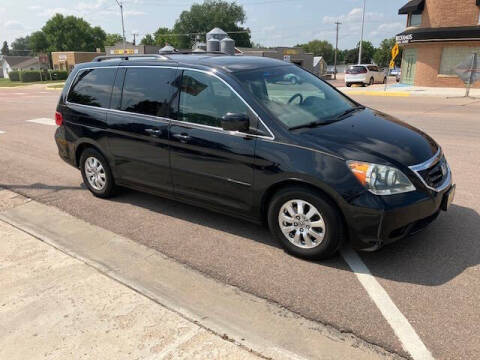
(364, 75)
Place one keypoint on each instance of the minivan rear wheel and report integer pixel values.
(96, 173)
(306, 224)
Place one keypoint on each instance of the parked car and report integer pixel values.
(394, 71)
(229, 134)
(364, 75)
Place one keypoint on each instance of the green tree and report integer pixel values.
(321, 48)
(148, 40)
(368, 50)
(20, 46)
(383, 54)
(38, 42)
(112, 39)
(69, 33)
(201, 18)
(165, 36)
(5, 50)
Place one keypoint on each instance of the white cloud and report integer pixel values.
(13, 25)
(354, 16)
(134, 13)
(387, 28)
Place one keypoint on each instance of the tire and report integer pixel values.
(330, 234)
(349, 84)
(99, 179)
(372, 81)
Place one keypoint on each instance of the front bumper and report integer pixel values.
(400, 216)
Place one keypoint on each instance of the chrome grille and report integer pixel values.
(436, 174)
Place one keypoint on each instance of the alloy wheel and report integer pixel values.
(302, 224)
(95, 173)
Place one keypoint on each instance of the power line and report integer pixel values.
(123, 24)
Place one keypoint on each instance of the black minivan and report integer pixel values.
(235, 134)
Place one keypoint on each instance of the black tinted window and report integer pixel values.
(205, 99)
(148, 91)
(93, 87)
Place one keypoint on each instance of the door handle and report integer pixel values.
(154, 132)
(182, 137)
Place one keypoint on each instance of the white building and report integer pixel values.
(11, 63)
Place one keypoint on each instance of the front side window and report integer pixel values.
(204, 99)
(93, 87)
(415, 20)
(294, 96)
(148, 91)
(453, 56)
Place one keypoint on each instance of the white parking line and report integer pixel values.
(409, 339)
(2, 132)
(18, 93)
(43, 121)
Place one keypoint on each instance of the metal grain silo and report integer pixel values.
(216, 33)
(213, 44)
(227, 46)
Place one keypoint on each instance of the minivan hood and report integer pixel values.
(368, 134)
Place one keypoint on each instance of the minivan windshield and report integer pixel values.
(296, 97)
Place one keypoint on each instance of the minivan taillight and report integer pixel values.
(58, 118)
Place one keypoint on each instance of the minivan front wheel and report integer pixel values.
(306, 225)
(96, 173)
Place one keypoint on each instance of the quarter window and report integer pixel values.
(205, 99)
(148, 91)
(93, 87)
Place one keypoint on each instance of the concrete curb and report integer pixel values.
(251, 322)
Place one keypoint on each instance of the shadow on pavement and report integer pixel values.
(197, 215)
(435, 256)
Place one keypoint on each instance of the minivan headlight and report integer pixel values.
(380, 179)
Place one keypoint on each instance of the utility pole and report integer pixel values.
(123, 25)
(361, 38)
(336, 50)
(134, 38)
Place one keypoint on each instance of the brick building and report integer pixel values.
(439, 35)
(66, 60)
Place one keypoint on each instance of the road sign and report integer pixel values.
(469, 71)
(395, 51)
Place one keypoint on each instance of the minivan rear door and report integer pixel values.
(138, 121)
(210, 165)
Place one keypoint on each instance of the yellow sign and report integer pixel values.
(395, 51)
(290, 52)
(122, 52)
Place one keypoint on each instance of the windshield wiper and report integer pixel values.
(348, 111)
(326, 122)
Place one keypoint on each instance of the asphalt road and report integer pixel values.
(433, 278)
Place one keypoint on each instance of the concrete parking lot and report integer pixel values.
(432, 278)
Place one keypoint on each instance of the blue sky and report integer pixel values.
(272, 22)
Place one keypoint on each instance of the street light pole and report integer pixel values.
(361, 38)
(336, 50)
(123, 25)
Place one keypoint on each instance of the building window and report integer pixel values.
(454, 55)
(415, 20)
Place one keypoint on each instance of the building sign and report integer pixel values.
(290, 52)
(123, 52)
(404, 39)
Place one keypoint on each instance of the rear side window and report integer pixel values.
(93, 87)
(148, 91)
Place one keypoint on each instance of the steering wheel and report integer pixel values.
(295, 96)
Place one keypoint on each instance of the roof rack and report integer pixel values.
(188, 52)
(128, 57)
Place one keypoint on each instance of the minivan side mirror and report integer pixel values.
(236, 122)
